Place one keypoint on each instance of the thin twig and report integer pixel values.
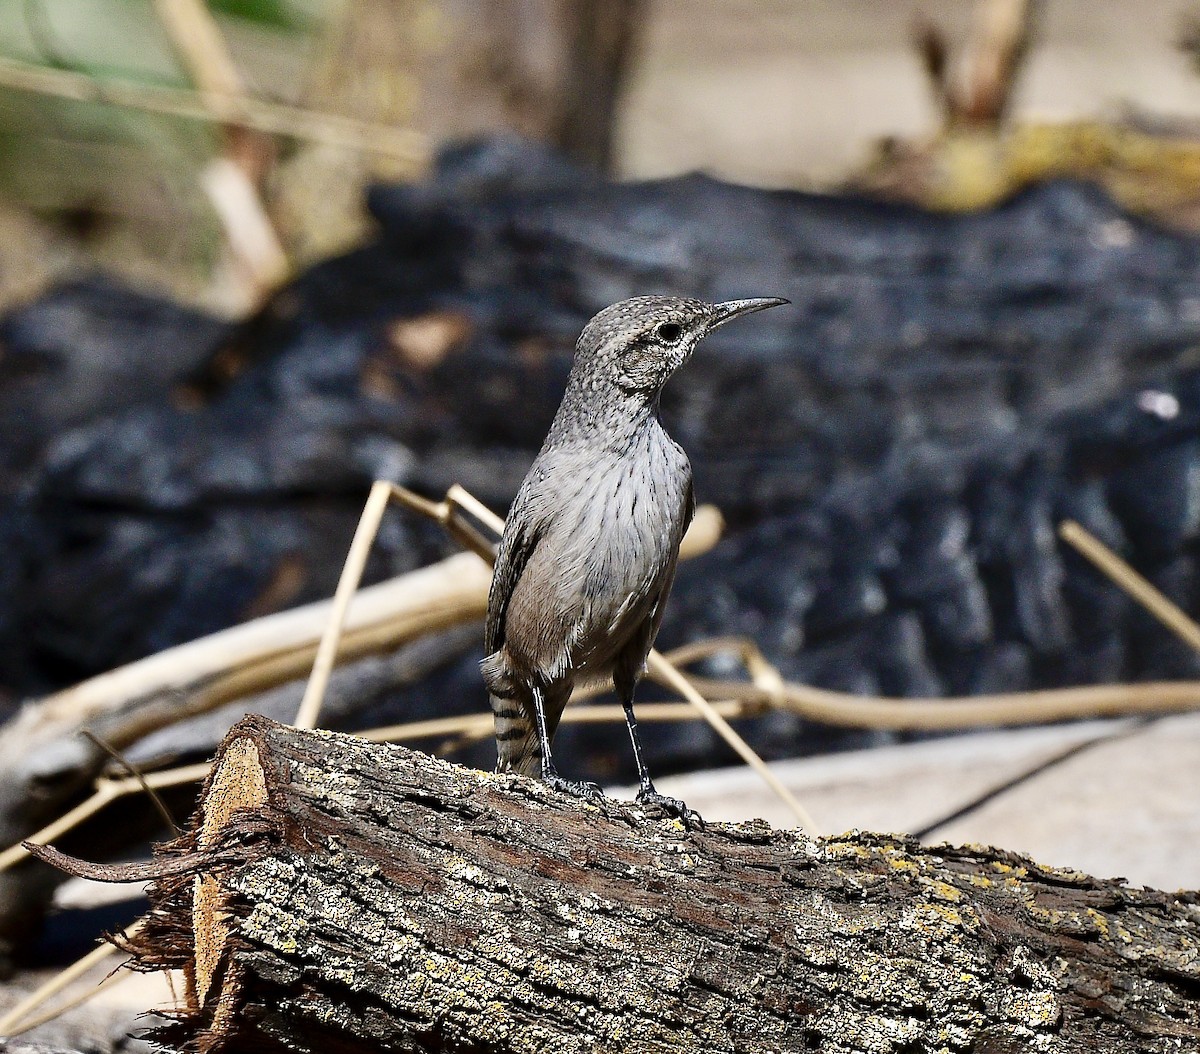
(669, 675)
(83, 995)
(352, 572)
(107, 790)
(950, 713)
(762, 673)
(136, 774)
(1126, 578)
(1012, 782)
(408, 147)
(234, 181)
(198, 41)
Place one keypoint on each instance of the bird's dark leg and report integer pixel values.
(646, 792)
(550, 776)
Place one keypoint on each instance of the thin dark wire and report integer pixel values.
(992, 793)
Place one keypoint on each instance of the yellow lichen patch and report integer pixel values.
(451, 973)
(902, 864)
(1009, 871)
(282, 929)
(1087, 923)
(495, 1023)
(845, 851)
(1100, 921)
(947, 915)
(940, 890)
(1036, 1010)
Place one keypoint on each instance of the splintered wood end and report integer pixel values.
(238, 783)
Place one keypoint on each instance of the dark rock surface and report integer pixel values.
(893, 452)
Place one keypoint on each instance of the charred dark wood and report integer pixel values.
(892, 453)
(373, 898)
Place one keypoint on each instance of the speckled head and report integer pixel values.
(639, 343)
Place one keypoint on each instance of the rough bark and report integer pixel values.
(332, 895)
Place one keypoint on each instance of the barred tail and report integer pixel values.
(517, 746)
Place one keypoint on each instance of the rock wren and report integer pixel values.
(589, 547)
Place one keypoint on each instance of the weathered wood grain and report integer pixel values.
(352, 897)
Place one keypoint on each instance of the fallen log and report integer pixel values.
(336, 895)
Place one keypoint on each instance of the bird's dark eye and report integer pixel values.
(668, 332)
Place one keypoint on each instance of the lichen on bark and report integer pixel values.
(385, 900)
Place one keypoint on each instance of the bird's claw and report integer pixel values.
(576, 788)
(672, 807)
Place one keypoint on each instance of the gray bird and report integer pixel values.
(589, 547)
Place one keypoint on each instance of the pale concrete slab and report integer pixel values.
(1127, 802)
(1128, 806)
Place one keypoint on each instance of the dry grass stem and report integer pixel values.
(18, 1019)
(232, 181)
(763, 675)
(136, 774)
(407, 147)
(107, 790)
(1167, 612)
(352, 572)
(200, 44)
(950, 713)
(201, 675)
(672, 678)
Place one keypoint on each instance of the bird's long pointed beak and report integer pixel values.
(731, 309)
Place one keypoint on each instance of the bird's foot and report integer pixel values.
(576, 788)
(672, 807)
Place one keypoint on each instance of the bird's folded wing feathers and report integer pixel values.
(521, 536)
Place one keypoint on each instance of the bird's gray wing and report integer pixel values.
(522, 531)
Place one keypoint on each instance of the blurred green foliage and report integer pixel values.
(277, 14)
(125, 181)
